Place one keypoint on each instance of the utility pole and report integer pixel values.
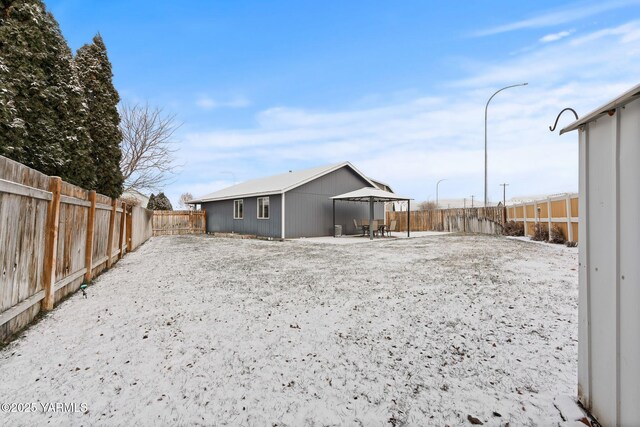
(472, 196)
(504, 202)
(504, 194)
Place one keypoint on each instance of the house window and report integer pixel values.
(238, 209)
(263, 208)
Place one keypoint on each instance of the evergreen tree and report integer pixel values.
(152, 202)
(95, 74)
(42, 106)
(162, 203)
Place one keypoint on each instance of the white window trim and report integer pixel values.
(258, 207)
(234, 209)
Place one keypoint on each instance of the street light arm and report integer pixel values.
(486, 108)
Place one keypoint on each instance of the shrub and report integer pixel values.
(571, 244)
(540, 232)
(556, 234)
(512, 228)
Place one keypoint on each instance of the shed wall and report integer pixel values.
(220, 217)
(609, 274)
(308, 211)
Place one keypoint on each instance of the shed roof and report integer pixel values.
(276, 184)
(366, 193)
(620, 101)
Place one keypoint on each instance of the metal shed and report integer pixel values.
(609, 272)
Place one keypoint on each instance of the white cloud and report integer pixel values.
(555, 36)
(572, 13)
(414, 143)
(208, 103)
(583, 58)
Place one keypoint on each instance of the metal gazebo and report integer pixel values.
(372, 195)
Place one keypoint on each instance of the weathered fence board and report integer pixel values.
(470, 220)
(179, 222)
(22, 238)
(141, 225)
(43, 249)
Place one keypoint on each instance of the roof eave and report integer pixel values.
(289, 188)
(620, 101)
(237, 196)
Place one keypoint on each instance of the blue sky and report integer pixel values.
(397, 88)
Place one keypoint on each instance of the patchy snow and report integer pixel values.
(203, 330)
(351, 239)
(571, 412)
(556, 246)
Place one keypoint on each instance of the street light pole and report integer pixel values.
(486, 107)
(438, 183)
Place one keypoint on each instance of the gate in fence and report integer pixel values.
(179, 222)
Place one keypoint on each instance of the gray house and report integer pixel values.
(289, 205)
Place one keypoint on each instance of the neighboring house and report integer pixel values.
(388, 206)
(289, 205)
(136, 196)
(381, 185)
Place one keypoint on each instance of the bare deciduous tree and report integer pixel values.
(184, 198)
(148, 153)
(427, 206)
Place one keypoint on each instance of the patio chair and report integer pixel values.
(374, 227)
(392, 227)
(355, 224)
(365, 226)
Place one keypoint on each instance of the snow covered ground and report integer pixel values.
(203, 330)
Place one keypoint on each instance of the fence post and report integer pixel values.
(204, 221)
(464, 220)
(123, 219)
(549, 216)
(129, 230)
(524, 218)
(569, 223)
(51, 244)
(88, 255)
(112, 226)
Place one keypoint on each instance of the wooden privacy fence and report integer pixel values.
(470, 220)
(179, 222)
(555, 210)
(53, 237)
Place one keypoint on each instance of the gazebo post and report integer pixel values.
(334, 217)
(408, 217)
(370, 218)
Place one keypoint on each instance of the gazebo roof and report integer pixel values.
(365, 194)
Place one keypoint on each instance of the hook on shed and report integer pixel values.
(560, 114)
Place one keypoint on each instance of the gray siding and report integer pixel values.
(308, 208)
(220, 217)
